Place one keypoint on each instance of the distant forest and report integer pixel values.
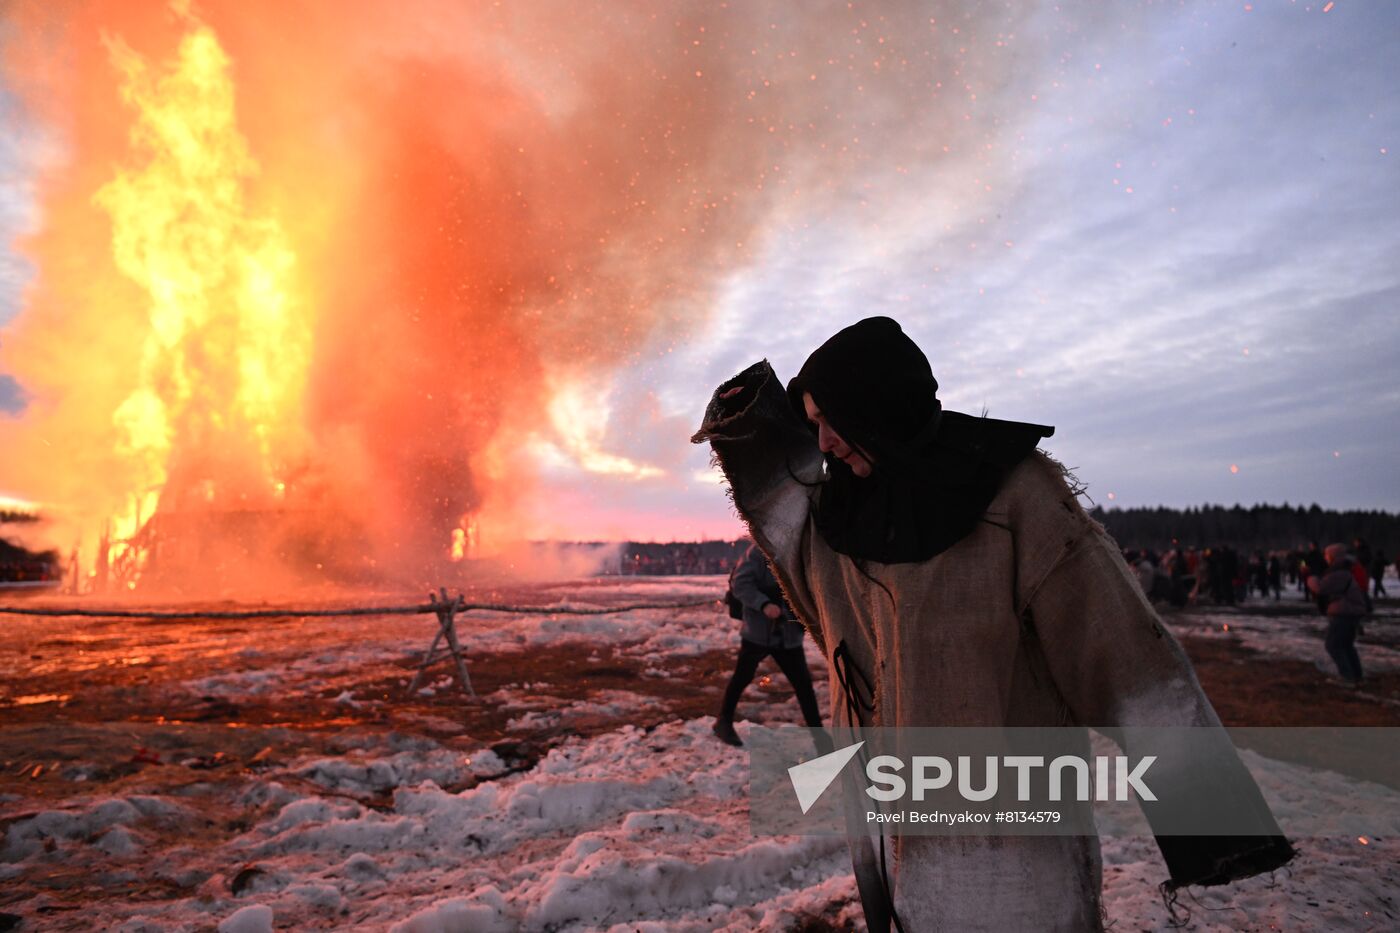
(1263, 527)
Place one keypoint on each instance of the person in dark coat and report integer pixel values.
(1313, 563)
(1361, 554)
(1345, 605)
(1259, 573)
(1179, 572)
(1206, 571)
(770, 628)
(1359, 558)
(1378, 565)
(1230, 580)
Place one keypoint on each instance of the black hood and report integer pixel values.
(933, 472)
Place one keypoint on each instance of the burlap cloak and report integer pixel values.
(1031, 620)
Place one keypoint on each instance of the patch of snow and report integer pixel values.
(118, 842)
(255, 918)
(483, 912)
(364, 775)
(25, 837)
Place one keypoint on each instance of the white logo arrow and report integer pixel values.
(811, 778)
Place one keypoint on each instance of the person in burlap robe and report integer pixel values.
(951, 578)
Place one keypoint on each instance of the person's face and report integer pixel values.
(831, 443)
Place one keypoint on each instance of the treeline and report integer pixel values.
(14, 556)
(1264, 527)
(681, 556)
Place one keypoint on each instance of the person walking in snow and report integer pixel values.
(770, 628)
(1260, 575)
(1343, 601)
(950, 577)
(1378, 565)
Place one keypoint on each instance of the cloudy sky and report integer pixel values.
(1184, 253)
(16, 215)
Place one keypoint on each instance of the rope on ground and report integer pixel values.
(57, 611)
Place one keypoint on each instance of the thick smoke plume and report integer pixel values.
(479, 210)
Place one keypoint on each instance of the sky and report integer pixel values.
(1173, 235)
(16, 216)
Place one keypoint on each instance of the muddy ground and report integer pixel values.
(117, 720)
(97, 709)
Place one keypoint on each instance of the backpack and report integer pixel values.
(1359, 607)
(1358, 576)
(731, 602)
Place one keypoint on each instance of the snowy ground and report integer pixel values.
(250, 776)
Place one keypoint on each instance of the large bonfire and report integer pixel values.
(316, 284)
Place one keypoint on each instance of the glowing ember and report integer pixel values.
(39, 699)
(1363, 840)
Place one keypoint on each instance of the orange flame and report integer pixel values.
(224, 358)
(331, 302)
(308, 294)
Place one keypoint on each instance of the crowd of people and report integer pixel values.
(705, 557)
(1343, 581)
(18, 565)
(1221, 575)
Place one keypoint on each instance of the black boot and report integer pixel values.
(724, 729)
